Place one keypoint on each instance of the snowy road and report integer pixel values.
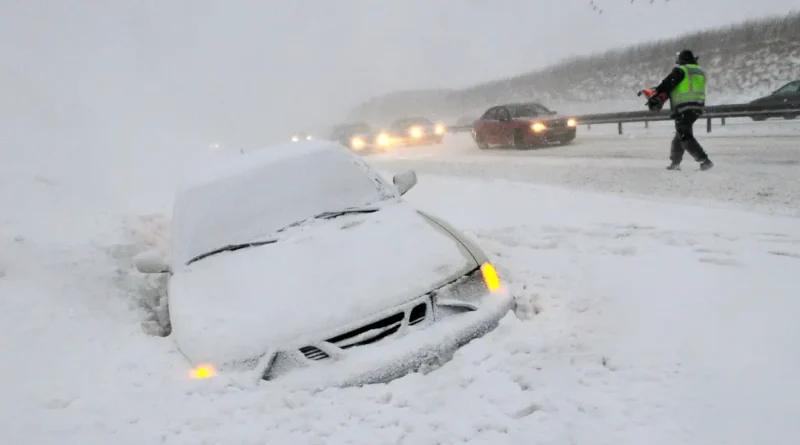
(755, 171)
(643, 321)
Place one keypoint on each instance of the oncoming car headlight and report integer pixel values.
(440, 129)
(295, 138)
(357, 143)
(383, 139)
(415, 132)
(538, 127)
(571, 123)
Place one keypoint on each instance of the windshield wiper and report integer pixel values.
(323, 215)
(337, 213)
(231, 248)
(330, 214)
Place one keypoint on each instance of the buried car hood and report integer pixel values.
(321, 277)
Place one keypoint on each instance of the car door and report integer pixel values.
(487, 125)
(504, 126)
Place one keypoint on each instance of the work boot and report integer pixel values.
(705, 165)
(674, 166)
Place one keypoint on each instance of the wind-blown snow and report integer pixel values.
(642, 322)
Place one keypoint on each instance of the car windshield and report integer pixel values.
(250, 203)
(528, 110)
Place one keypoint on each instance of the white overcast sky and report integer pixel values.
(241, 69)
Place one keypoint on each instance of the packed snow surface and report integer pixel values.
(641, 320)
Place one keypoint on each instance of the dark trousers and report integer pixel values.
(684, 138)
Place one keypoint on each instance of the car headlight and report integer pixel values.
(383, 139)
(466, 293)
(572, 123)
(538, 127)
(295, 138)
(440, 129)
(415, 132)
(308, 138)
(204, 371)
(357, 143)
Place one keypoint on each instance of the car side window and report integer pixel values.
(491, 115)
(503, 114)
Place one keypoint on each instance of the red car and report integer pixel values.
(522, 125)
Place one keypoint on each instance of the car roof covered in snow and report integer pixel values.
(237, 164)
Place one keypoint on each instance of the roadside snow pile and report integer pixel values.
(657, 324)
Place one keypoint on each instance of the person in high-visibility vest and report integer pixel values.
(686, 88)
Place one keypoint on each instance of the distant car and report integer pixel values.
(522, 125)
(412, 131)
(788, 95)
(302, 137)
(357, 136)
(301, 261)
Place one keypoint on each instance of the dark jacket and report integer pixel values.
(673, 79)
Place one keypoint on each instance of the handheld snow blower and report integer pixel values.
(655, 102)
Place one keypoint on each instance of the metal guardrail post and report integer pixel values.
(708, 125)
(619, 127)
(723, 121)
(646, 124)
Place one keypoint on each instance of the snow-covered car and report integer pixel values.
(300, 261)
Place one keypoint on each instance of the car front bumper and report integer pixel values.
(415, 349)
(410, 349)
(553, 135)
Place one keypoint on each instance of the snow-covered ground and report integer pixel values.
(644, 320)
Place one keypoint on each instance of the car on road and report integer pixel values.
(302, 137)
(787, 95)
(358, 136)
(522, 125)
(411, 131)
(301, 262)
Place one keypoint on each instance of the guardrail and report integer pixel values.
(721, 112)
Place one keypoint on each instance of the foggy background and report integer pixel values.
(117, 81)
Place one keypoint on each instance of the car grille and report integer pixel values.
(557, 123)
(314, 353)
(370, 333)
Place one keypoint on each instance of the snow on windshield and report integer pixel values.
(251, 202)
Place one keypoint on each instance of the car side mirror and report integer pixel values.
(151, 261)
(405, 181)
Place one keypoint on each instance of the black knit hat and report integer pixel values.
(685, 57)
